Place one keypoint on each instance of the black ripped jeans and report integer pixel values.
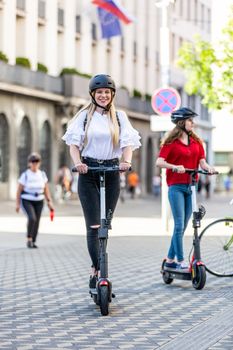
(89, 194)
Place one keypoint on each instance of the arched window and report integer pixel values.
(24, 145)
(45, 148)
(64, 157)
(4, 148)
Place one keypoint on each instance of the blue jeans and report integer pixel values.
(181, 205)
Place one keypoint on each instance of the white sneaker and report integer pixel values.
(183, 266)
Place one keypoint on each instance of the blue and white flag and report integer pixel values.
(110, 24)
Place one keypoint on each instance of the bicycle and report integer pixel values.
(197, 270)
(217, 237)
(102, 294)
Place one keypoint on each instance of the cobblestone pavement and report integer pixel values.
(44, 301)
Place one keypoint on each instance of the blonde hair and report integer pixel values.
(112, 121)
(177, 132)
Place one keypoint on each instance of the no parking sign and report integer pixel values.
(165, 100)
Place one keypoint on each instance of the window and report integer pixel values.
(204, 113)
(21, 5)
(24, 144)
(122, 44)
(4, 149)
(209, 20)
(60, 17)
(221, 158)
(135, 49)
(192, 102)
(45, 148)
(195, 12)
(41, 9)
(94, 31)
(146, 54)
(78, 24)
(202, 16)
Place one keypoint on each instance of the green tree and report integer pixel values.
(209, 69)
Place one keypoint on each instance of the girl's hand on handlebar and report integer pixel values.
(178, 169)
(123, 166)
(210, 170)
(82, 168)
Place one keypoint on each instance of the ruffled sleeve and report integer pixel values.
(128, 135)
(75, 132)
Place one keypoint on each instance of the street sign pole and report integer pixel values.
(165, 80)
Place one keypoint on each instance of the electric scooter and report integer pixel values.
(196, 271)
(102, 294)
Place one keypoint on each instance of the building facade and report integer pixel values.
(59, 36)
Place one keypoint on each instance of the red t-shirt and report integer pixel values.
(178, 153)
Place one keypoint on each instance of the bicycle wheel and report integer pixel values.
(216, 242)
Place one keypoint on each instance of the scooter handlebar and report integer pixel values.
(197, 171)
(101, 168)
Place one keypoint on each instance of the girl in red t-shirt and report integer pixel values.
(181, 149)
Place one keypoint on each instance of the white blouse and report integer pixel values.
(99, 140)
(33, 183)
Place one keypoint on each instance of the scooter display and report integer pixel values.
(196, 271)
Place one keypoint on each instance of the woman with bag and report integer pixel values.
(32, 189)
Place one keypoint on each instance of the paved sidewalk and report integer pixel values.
(44, 300)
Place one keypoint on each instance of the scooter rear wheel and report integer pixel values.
(104, 300)
(200, 279)
(166, 276)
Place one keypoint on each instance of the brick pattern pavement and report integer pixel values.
(44, 300)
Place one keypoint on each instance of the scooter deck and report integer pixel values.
(173, 273)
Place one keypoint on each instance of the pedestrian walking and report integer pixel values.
(227, 183)
(98, 134)
(156, 185)
(63, 182)
(133, 183)
(181, 148)
(32, 189)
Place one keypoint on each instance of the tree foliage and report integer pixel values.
(209, 69)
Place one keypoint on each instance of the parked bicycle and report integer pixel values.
(217, 237)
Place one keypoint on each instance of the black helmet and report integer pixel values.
(102, 81)
(181, 114)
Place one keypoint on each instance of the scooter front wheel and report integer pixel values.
(200, 279)
(104, 300)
